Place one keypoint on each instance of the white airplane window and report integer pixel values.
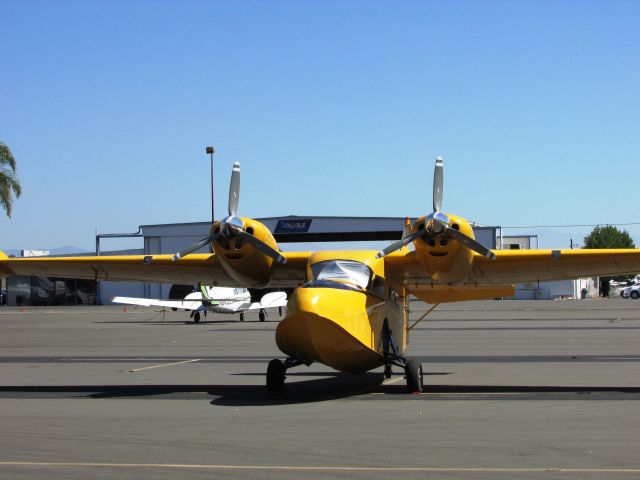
(347, 271)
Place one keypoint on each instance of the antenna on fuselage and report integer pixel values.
(407, 227)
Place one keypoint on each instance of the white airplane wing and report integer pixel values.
(234, 307)
(270, 300)
(273, 300)
(151, 302)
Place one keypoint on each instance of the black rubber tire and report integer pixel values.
(275, 375)
(196, 317)
(242, 317)
(413, 373)
(635, 294)
(262, 316)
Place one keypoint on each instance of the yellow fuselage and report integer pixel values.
(339, 325)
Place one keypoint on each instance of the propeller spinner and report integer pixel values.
(232, 226)
(438, 224)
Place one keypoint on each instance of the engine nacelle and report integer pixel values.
(446, 259)
(243, 262)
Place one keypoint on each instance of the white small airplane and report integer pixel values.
(216, 300)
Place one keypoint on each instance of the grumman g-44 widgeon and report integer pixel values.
(349, 308)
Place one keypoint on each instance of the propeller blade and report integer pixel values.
(397, 245)
(192, 248)
(234, 189)
(263, 247)
(470, 243)
(437, 184)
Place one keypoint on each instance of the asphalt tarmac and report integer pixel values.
(513, 390)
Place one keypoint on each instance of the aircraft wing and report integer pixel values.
(270, 300)
(235, 307)
(151, 302)
(273, 300)
(518, 266)
(189, 270)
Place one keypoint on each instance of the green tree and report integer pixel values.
(609, 236)
(9, 183)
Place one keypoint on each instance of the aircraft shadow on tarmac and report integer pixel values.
(365, 387)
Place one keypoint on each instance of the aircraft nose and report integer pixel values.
(303, 300)
(329, 325)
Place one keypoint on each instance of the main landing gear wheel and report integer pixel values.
(275, 375)
(413, 373)
(196, 317)
(412, 368)
(262, 315)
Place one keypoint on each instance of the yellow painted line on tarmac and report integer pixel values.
(165, 365)
(297, 468)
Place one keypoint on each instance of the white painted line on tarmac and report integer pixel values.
(165, 365)
(391, 381)
(618, 358)
(618, 471)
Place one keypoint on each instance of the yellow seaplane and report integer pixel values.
(348, 309)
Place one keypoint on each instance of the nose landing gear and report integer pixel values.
(276, 372)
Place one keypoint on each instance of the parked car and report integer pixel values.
(631, 292)
(3, 296)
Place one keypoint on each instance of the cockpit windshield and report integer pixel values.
(347, 271)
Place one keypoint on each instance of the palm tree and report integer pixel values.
(8, 179)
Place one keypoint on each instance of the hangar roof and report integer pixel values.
(294, 228)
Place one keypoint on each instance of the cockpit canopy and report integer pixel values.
(343, 271)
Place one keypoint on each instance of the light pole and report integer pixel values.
(211, 151)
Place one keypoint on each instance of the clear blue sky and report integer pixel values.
(332, 108)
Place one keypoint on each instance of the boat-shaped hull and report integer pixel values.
(339, 328)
